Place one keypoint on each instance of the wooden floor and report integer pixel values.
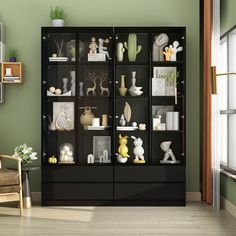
(195, 219)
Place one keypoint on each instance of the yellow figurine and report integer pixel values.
(168, 53)
(123, 149)
(123, 155)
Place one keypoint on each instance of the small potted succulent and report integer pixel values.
(58, 16)
(26, 154)
(12, 54)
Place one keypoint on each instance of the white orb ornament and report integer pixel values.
(69, 153)
(63, 152)
(58, 92)
(52, 89)
(71, 159)
(54, 55)
(66, 148)
(62, 158)
(134, 124)
(66, 158)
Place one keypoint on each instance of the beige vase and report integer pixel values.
(86, 117)
(122, 89)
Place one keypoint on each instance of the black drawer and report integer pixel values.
(77, 191)
(77, 174)
(149, 174)
(135, 191)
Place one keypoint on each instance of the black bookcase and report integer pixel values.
(74, 181)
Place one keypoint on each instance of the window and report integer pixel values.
(227, 102)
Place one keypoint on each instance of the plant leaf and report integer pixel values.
(127, 112)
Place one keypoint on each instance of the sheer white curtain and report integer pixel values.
(216, 145)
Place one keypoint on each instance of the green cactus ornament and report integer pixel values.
(132, 47)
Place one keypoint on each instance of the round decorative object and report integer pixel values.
(52, 89)
(134, 124)
(86, 117)
(54, 55)
(66, 153)
(63, 152)
(121, 159)
(57, 91)
(142, 126)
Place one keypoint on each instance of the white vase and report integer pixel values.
(120, 51)
(57, 23)
(134, 90)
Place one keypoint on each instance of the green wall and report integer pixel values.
(227, 16)
(227, 21)
(20, 115)
(228, 189)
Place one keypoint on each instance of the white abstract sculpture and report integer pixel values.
(175, 48)
(65, 81)
(160, 42)
(72, 88)
(134, 90)
(81, 89)
(138, 150)
(102, 49)
(104, 158)
(90, 159)
(120, 51)
(165, 146)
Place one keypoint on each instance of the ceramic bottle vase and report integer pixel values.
(122, 89)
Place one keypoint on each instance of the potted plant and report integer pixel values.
(26, 154)
(12, 54)
(58, 16)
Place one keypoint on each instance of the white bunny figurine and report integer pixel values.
(138, 150)
(175, 48)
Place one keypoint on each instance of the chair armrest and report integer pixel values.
(10, 158)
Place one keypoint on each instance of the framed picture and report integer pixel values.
(164, 81)
(2, 93)
(63, 115)
(101, 143)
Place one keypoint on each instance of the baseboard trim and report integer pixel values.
(228, 206)
(193, 197)
(190, 197)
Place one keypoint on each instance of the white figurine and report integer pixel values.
(165, 146)
(175, 48)
(122, 120)
(120, 51)
(65, 81)
(93, 46)
(159, 44)
(72, 88)
(138, 150)
(81, 89)
(102, 49)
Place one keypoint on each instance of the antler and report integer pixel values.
(92, 76)
(103, 76)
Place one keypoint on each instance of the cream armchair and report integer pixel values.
(10, 183)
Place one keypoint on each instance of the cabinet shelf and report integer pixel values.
(60, 63)
(167, 63)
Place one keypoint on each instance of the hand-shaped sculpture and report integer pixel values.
(175, 48)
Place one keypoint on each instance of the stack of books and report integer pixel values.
(58, 59)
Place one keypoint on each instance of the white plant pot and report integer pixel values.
(57, 23)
